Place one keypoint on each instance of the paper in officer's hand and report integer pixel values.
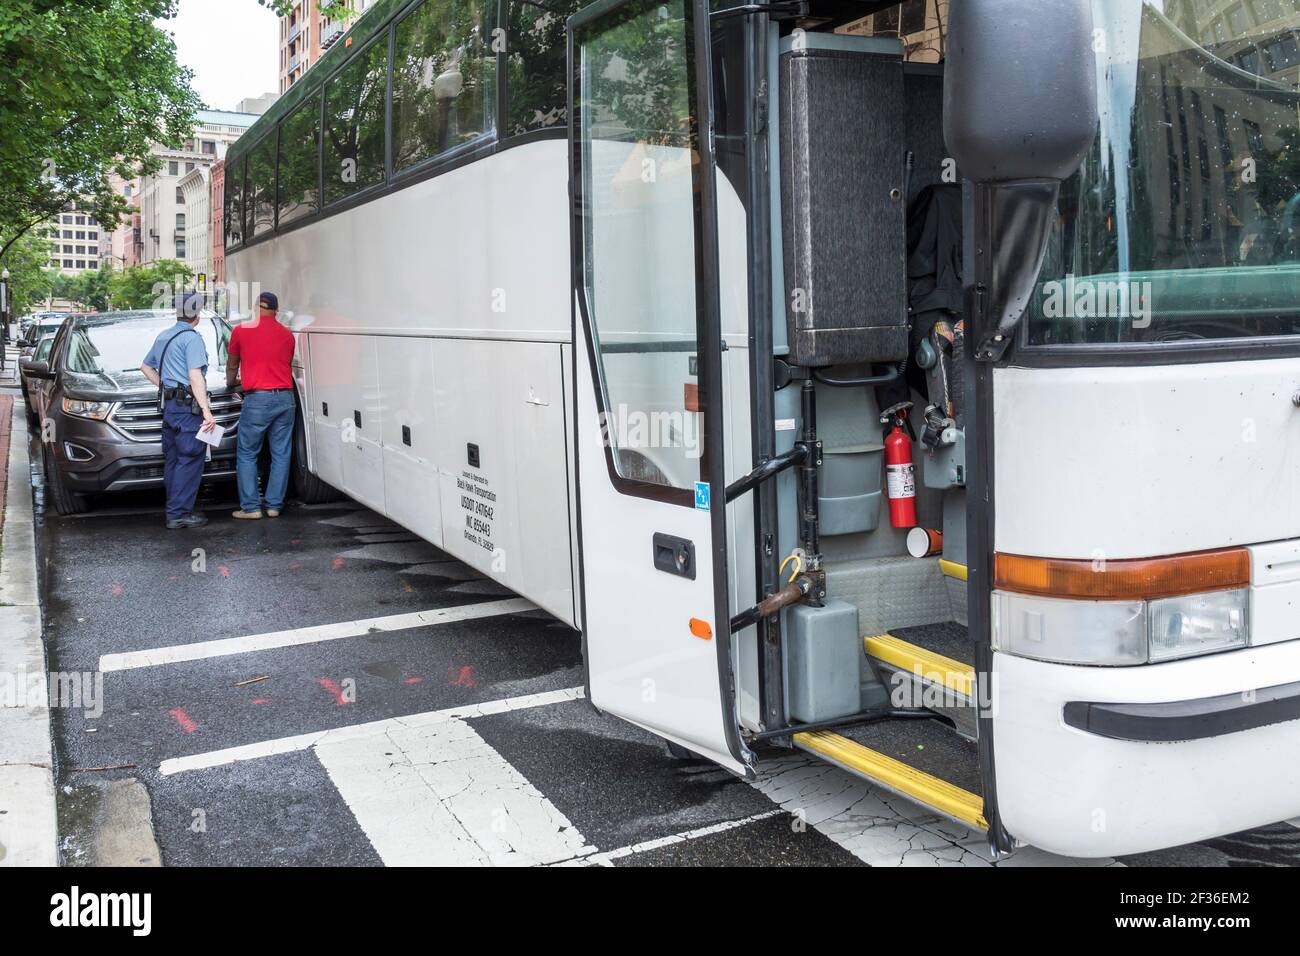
(213, 437)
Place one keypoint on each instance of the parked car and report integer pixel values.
(102, 430)
(35, 330)
(41, 353)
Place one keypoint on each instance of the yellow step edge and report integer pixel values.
(950, 800)
(954, 570)
(929, 666)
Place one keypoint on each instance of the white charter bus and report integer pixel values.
(921, 392)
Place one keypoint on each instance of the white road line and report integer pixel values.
(282, 745)
(607, 858)
(308, 635)
(439, 795)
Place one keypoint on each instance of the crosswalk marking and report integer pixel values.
(439, 795)
(153, 657)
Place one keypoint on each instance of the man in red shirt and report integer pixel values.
(260, 356)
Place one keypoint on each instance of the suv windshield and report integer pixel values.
(111, 346)
(1183, 222)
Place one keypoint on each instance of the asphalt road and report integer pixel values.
(458, 737)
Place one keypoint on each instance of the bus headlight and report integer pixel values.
(1198, 623)
(1119, 633)
(1070, 632)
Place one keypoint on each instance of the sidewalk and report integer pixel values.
(28, 827)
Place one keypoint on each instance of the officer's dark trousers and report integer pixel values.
(184, 456)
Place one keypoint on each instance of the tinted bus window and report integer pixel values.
(300, 161)
(354, 123)
(444, 79)
(259, 200)
(535, 58)
(234, 214)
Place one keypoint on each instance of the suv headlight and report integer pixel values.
(83, 409)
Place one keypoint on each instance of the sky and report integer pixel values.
(233, 47)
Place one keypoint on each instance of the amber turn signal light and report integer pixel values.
(1127, 580)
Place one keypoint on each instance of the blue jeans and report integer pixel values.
(183, 457)
(265, 416)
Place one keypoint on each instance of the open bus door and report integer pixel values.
(648, 372)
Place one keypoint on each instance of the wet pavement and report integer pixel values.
(462, 740)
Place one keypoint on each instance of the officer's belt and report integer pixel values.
(180, 393)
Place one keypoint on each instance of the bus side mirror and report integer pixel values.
(1019, 115)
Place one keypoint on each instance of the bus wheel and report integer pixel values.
(311, 490)
(678, 752)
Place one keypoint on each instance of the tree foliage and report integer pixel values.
(141, 287)
(332, 9)
(89, 87)
(29, 282)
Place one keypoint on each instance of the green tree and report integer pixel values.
(93, 288)
(89, 86)
(29, 281)
(146, 287)
(333, 9)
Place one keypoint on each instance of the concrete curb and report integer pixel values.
(28, 821)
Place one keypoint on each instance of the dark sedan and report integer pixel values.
(101, 430)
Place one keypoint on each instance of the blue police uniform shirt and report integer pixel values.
(188, 352)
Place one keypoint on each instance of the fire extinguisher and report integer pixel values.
(900, 472)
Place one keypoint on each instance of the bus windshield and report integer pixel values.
(1183, 222)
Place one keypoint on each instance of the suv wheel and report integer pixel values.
(65, 501)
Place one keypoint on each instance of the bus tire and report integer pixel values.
(56, 490)
(678, 752)
(310, 489)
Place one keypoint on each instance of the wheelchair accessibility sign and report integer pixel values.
(702, 495)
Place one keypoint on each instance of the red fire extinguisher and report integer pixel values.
(900, 472)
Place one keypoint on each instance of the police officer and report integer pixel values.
(177, 363)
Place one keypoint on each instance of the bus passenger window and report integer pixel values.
(354, 124)
(444, 79)
(537, 84)
(259, 201)
(233, 218)
(299, 161)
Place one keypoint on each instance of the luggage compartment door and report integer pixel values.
(648, 374)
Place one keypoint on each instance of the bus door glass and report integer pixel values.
(647, 360)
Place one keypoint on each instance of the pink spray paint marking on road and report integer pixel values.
(117, 590)
(461, 676)
(187, 725)
(223, 571)
(259, 700)
(334, 690)
(338, 562)
(413, 680)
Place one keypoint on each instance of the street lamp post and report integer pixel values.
(4, 315)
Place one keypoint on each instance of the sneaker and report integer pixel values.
(247, 515)
(189, 521)
(273, 512)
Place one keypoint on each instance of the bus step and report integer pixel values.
(934, 665)
(922, 760)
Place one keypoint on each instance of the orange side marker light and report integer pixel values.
(701, 629)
